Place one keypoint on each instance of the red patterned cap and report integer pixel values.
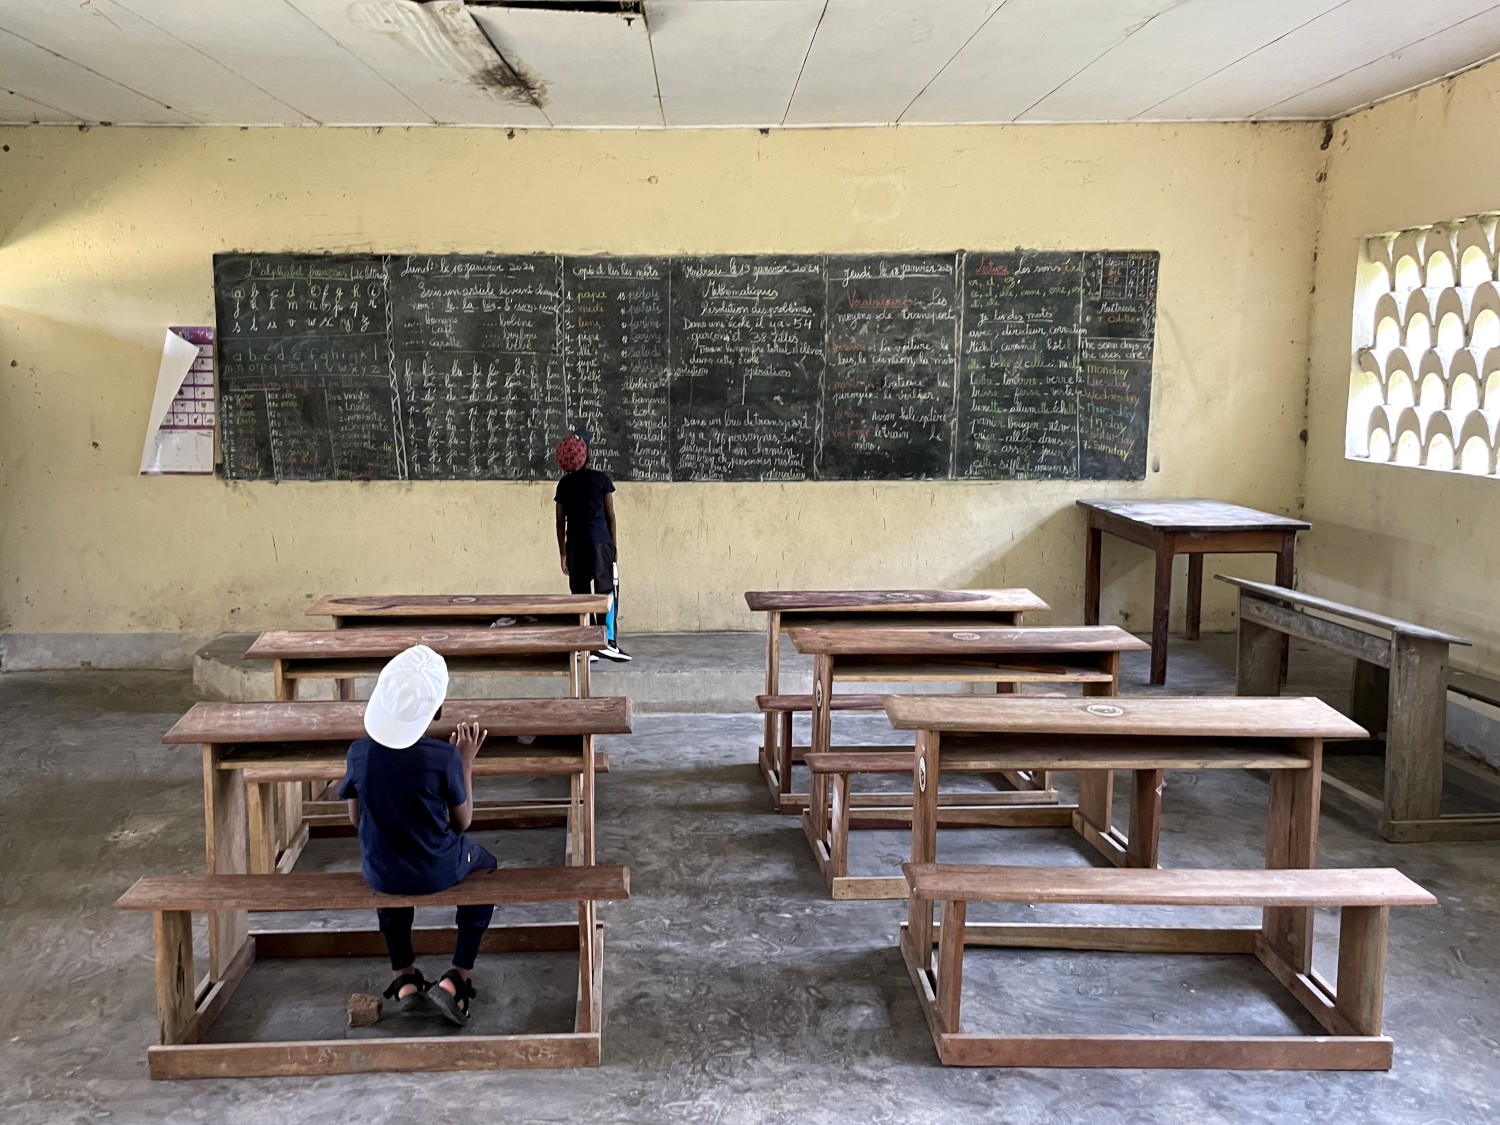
(572, 452)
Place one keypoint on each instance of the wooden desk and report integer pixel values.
(1183, 527)
(421, 610)
(516, 650)
(787, 608)
(250, 747)
(1144, 734)
(1400, 690)
(1006, 656)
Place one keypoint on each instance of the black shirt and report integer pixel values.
(405, 839)
(581, 495)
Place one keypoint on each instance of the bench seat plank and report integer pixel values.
(1018, 600)
(1126, 716)
(805, 702)
(232, 723)
(856, 762)
(457, 640)
(509, 664)
(1375, 886)
(1354, 613)
(349, 891)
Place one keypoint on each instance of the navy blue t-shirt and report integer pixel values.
(581, 494)
(404, 796)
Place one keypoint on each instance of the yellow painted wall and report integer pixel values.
(1415, 543)
(106, 237)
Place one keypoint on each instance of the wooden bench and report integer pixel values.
(1401, 680)
(1146, 735)
(250, 749)
(778, 769)
(425, 610)
(187, 1007)
(343, 655)
(1348, 1009)
(786, 608)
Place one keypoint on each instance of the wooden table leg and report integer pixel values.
(260, 805)
(1286, 575)
(1416, 725)
(1194, 596)
(589, 783)
(175, 986)
(224, 824)
(1092, 560)
(1142, 848)
(924, 813)
(346, 689)
(1292, 841)
(1161, 607)
(1258, 663)
(1096, 788)
(1370, 696)
(782, 747)
(822, 737)
(769, 741)
(950, 965)
(1361, 972)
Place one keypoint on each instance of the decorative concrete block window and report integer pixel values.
(1424, 389)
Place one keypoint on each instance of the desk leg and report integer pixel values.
(1161, 607)
(583, 675)
(1092, 560)
(1292, 841)
(224, 839)
(1258, 669)
(282, 689)
(260, 806)
(1416, 724)
(924, 814)
(783, 750)
(346, 689)
(589, 783)
(1096, 788)
(1194, 596)
(1286, 575)
(1141, 850)
(769, 741)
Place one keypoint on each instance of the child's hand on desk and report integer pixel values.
(468, 738)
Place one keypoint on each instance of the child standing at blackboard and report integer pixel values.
(586, 529)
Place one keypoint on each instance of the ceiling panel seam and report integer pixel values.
(531, 95)
(946, 65)
(44, 105)
(661, 106)
(1122, 40)
(1378, 58)
(198, 50)
(357, 58)
(1242, 58)
(96, 74)
(811, 39)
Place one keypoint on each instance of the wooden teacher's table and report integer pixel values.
(1143, 734)
(248, 748)
(1183, 527)
(517, 650)
(785, 609)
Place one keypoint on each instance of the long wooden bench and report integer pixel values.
(1349, 1009)
(1401, 680)
(188, 1007)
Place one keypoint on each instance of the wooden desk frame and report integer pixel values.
(1349, 1010)
(786, 609)
(1166, 544)
(187, 1007)
(1400, 687)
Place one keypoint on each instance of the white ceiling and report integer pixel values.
(722, 62)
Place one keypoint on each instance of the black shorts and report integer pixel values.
(591, 568)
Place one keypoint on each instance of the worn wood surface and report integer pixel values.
(457, 605)
(427, 941)
(1115, 939)
(946, 670)
(1016, 600)
(349, 891)
(262, 763)
(172, 931)
(1474, 686)
(1416, 727)
(354, 644)
(1225, 717)
(1174, 1052)
(1194, 515)
(875, 640)
(1333, 634)
(1354, 613)
(782, 703)
(1176, 886)
(1073, 752)
(341, 721)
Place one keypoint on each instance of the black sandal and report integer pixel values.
(417, 999)
(455, 1007)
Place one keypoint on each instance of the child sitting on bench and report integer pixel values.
(411, 798)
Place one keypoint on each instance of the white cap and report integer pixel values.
(408, 694)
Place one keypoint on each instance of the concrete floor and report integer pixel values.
(735, 991)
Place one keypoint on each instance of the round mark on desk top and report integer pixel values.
(463, 601)
(1109, 710)
(964, 636)
(896, 596)
(434, 636)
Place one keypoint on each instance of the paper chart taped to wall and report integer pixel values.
(180, 437)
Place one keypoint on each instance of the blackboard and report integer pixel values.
(956, 366)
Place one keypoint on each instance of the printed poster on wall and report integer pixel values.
(180, 437)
